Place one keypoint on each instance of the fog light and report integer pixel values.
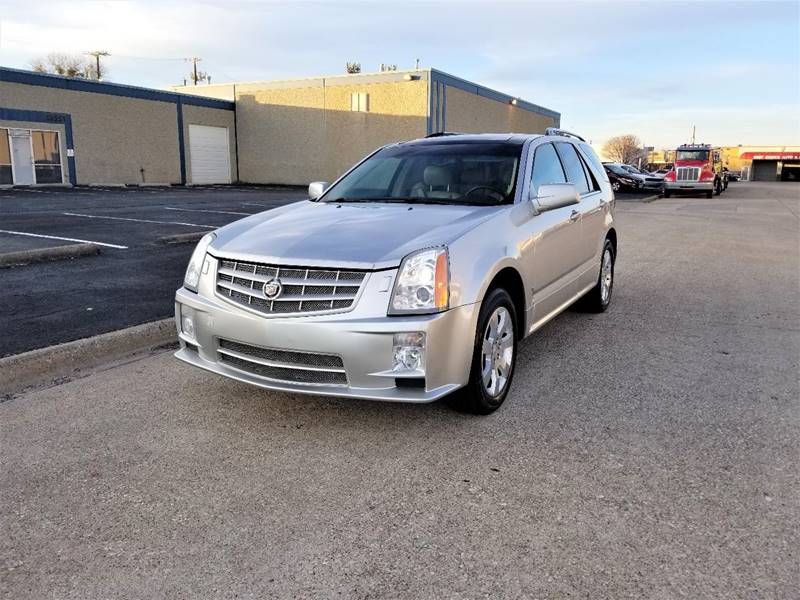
(187, 326)
(408, 352)
(187, 321)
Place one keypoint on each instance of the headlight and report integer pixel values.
(197, 262)
(423, 283)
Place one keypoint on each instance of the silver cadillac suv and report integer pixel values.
(411, 277)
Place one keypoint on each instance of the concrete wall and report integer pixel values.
(469, 113)
(113, 136)
(221, 91)
(296, 132)
(121, 134)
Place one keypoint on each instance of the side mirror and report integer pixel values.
(316, 189)
(556, 195)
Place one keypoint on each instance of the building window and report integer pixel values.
(5, 159)
(46, 156)
(359, 102)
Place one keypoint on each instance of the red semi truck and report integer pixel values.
(698, 169)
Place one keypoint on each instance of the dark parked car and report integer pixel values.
(622, 180)
(651, 180)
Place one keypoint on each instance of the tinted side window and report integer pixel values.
(546, 167)
(597, 167)
(573, 166)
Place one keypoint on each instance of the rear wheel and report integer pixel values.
(667, 193)
(493, 358)
(598, 298)
(709, 194)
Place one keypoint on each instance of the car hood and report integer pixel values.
(353, 235)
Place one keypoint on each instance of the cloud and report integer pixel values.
(608, 67)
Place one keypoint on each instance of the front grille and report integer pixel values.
(687, 174)
(303, 290)
(290, 366)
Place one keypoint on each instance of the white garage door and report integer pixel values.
(209, 154)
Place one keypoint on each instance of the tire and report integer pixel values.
(616, 186)
(479, 396)
(598, 299)
(667, 193)
(709, 194)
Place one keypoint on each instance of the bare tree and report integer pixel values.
(69, 65)
(623, 148)
(353, 67)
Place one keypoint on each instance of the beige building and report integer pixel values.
(299, 130)
(59, 130)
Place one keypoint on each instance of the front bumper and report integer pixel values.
(689, 186)
(362, 338)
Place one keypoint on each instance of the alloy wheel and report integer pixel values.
(497, 352)
(606, 276)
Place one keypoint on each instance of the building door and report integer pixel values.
(21, 156)
(209, 154)
(764, 170)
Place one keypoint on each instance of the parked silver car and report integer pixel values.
(413, 276)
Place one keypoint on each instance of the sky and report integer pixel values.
(651, 68)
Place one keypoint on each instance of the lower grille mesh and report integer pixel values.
(283, 365)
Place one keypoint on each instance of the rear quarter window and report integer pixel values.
(593, 162)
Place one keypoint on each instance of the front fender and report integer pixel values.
(477, 257)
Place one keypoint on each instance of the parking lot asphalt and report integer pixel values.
(647, 452)
(134, 278)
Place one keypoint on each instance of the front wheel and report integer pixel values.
(598, 298)
(493, 358)
(615, 186)
(718, 187)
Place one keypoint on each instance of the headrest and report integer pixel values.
(437, 176)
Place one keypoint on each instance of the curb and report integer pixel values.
(45, 365)
(24, 257)
(182, 238)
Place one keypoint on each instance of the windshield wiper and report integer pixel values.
(370, 199)
(417, 200)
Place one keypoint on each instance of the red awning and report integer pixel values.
(771, 155)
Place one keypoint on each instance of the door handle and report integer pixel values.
(574, 216)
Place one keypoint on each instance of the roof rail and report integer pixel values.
(442, 133)
(557, 131)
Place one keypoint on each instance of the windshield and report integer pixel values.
(451, 173)
(692, 155)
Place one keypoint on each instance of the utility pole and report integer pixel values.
(97, 54)
(194, 75)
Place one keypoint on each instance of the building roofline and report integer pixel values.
(318, 80)
(8, 75)
(430, 73)
(481, 90)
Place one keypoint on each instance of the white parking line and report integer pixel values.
(253, 204)
(66, 239)
(202, 210)
(139, 220)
